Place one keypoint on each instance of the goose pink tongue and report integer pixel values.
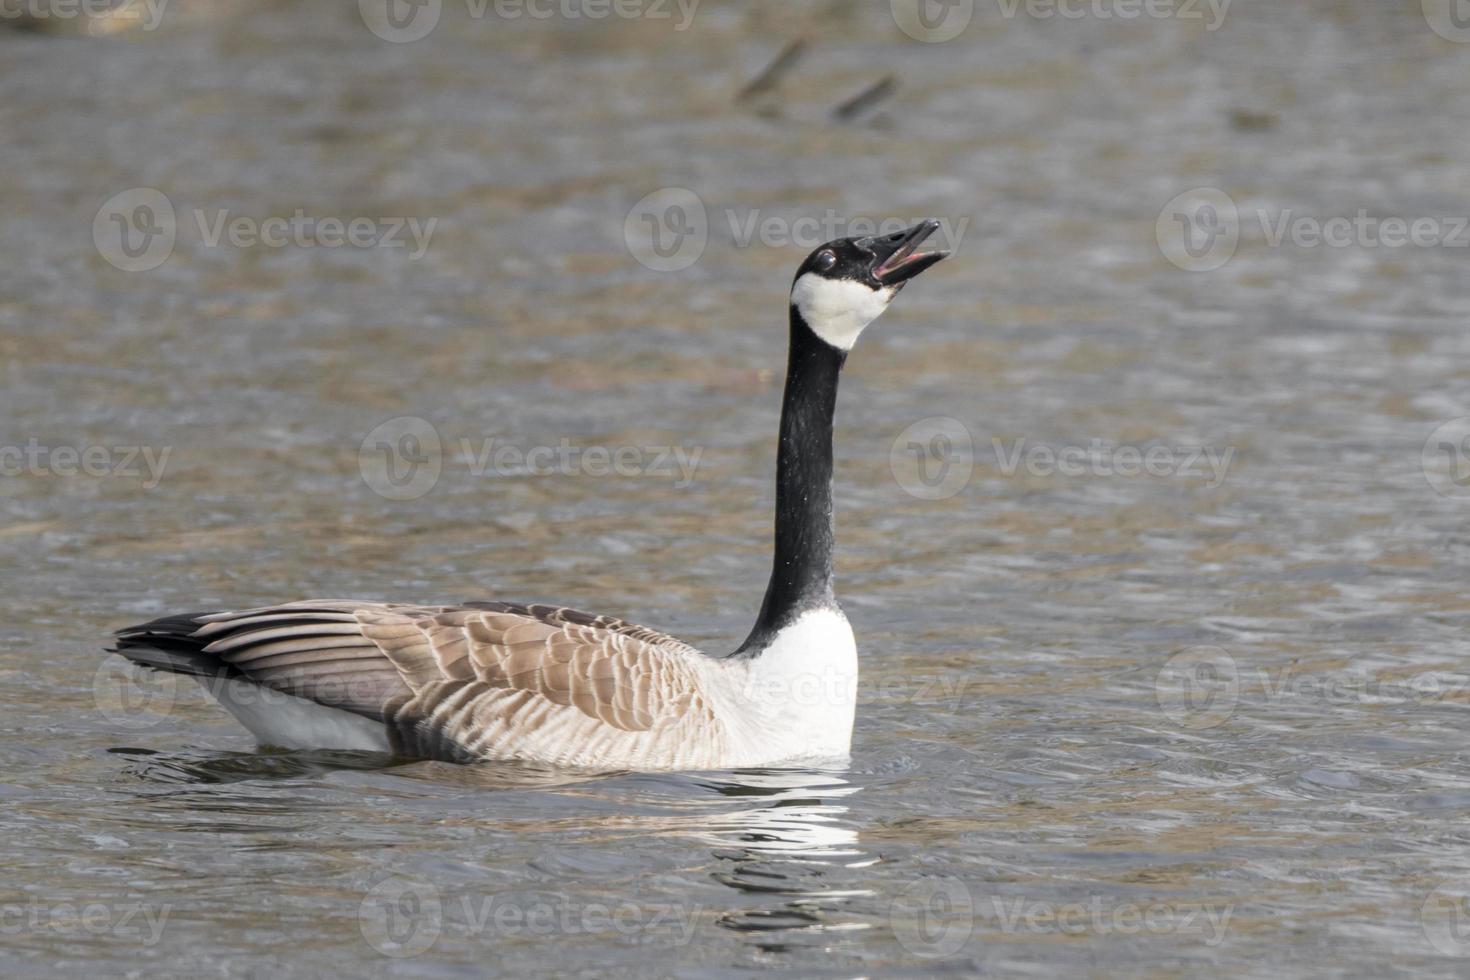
(907, 261)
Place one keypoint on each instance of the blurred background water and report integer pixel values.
(1206, 718)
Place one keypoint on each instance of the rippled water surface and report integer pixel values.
(1205, 719)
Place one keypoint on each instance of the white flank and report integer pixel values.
(837, 310)
(288, 722)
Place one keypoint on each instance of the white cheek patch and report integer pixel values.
(837, 310)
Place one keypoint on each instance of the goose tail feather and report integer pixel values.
(168, 644)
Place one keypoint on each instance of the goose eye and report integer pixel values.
(825, 261)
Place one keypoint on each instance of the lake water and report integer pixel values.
(1151, 500)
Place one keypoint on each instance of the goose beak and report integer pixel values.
(896, 257)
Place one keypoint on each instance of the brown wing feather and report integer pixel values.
(629, 677)
(446, 678)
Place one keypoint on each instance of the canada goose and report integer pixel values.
(547, 684)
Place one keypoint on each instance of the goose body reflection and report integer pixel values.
(791, 853)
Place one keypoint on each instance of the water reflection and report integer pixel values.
(785, 841)
(233, 767)
(789, 853)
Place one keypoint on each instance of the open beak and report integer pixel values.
(897, 256)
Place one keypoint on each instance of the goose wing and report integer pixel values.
(483, 679)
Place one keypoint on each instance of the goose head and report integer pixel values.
(845, 284)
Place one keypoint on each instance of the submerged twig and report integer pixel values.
(771, 76)
(868, 97)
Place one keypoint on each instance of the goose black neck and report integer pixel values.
(801, 570)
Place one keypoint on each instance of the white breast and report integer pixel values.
(797, 698)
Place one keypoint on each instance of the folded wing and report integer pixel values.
(479, 680)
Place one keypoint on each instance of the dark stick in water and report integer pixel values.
(771, 77)
(868, 97)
